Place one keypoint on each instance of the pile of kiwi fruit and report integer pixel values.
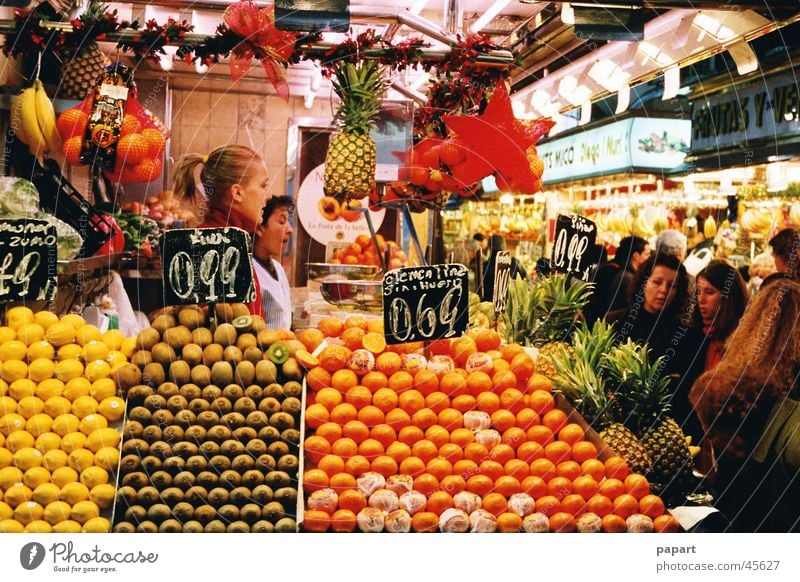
(212, 427)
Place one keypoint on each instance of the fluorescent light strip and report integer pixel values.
(418, 6)
(487, 16)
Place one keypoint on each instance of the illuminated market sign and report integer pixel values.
(633, 144)
(762, 110)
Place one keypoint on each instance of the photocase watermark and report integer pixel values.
(66, 558)
(32, 555)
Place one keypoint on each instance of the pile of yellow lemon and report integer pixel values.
(57, 400)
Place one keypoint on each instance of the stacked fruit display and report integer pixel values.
(362, 252)
(58, 403)
(469, 439)
(212, 433)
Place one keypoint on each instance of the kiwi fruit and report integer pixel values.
(262, 526)
(126, 495)
(246, 339)
(191, 317)
(161, 449)
(288, 463)
(281, 421)
(148, 495)
(215, 526)
(205, 513)
(266, 372)
(195, 433)
(201, 375)
(147, 527)
(170, 526)
(243, 463)
(141, 358)
(272, 511)
(135, 446)
(151, 464)
(224, 312)
(174, 465)
(177, 337)
(233, 420)
(202, 337)
(197, 495)
(228, 512)
(127, 527)
(135, 514)
(128, 376)
(253, 477)
(175, 433)
(218, 496)
(172, 495)
(277, 479)
(183, 418)
(256, 447)
(184, 480)
(163, 354)
(185, 449)
(278, 449)
(243, 324)
(262, 494)
(267, 337)
(287, 496)
(192, 527)
(183, 511)
(208, 479)
(239, 310)
(292, 405)
(132, 430)
(222, 374)
(219, 433)
(291, 370)
(245, 433)
(230, 478)
(163, 417)
(162, 323)
(291, 435)
(293, 389)
(138, 393)
(219, 463)
(154, 402)
(168, 390)
(240, 496)
(140, 414)
(222, 405)
(253, 355)
(208, 419)
(254, 391)
(278, 353)
(152, 433)
(158, 512)
(286, 525)
(147, 338)
(212, 354)
(244, 406)
(274, 390)
(191, 391)
(209, 449)
(245, 373)
(180, 372)
(199, 405)
(196, 464)
(153, 374)
(192, 354)
(233, 392)
(231, 448)
(211, 392)
(250, 512)
(269, 406)
(269, 434)
(232, 355)
(225, 335)
(135, 480)
(266, 462)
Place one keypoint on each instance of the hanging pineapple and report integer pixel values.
(80, 71)
(351, 157)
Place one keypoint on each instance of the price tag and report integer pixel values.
(502, 276)
(574, 240)
(28, 260)
(425, 303)
(207, 265)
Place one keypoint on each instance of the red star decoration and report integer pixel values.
(496, 143)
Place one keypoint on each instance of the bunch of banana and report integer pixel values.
(756, 221)
(34, 120)
(710, 227)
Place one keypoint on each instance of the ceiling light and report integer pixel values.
(609, 74)
(672, 82)
(655, 54)
(567, 13)
(518, 107)
(315, 81)
(744, 57)
(623, 99)
(713, 27)
(586, 113)
(540, 100)
(489, 15)
(418, 6)
(570, 90)
(165, 61)
(200, 67)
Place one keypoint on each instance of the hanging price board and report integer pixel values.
(502, 276)
(572, 247)
(425, 303)
(207, 265)
(28, 260)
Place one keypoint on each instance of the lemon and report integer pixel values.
(103, 437)
(38, 424)
(18, 493)
(21, 388)
(19, 440)
(69, 352)
(6, 511)
(64, 424)
(84, 406)
(72, 442)
(7, 405)
(35, 476)
(83, 511)
(11, 370)
(9, 476)
(97, 525)
(128, 346)
(97, 370)
(91, 423)
(55, 459)
(46, 493)
(116, 359)
(38, 526)
(45, 318)
(56, 512)
(47, 389)
(19, 316)
(103, 495)
(3, 388)
(113, 408)
(11, 526)
(74, 493)
(13, 350)
(27, 512)
(41, 369)
(114, 339)
(94, 350)
(93, 476)
(77, 387)
(107, 458)
(11, 423)
(30, 333)
(66, 370)
(48, 441)
(102, 389)
(87, 333)
(73, 319)
(80, 459)
(2, 440)
(28, 457)
(60, 334)
(55, 406)
(7, 457)
(63, 477)
(67, 526)
(7, 334)
(30, 406)
(41, 350)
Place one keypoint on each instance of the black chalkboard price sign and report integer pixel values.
(572, 248)
(28, 260)
(207, 265)
(425, 303)
(502, 276)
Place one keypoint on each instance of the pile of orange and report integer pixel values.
(497, 434)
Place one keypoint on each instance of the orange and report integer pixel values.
(398, 419)
(451, 419)
(374, 342)
(437, 401)
(398, 451)
(492, 469)
(612, 488)
(476, 452)
(514, 437)
(385, 399)
(316, 416)
(370, 448)
(651, 506)
(331, 326)
(480, 484)
(425, 522)
(374, 380)
(426, 483)
(412, 466)
(342, 482)
(503, 419)
(388, 363)
(451, 451)
(344, 447)
(316, 521)
(330, 431)
(543, 468)
(563, 522)
(583, 451)
(155, 140)
(527, 417)
(571, 433)
(530, 451)
(499, 365)
(343, 521)
(559, 487)
(509, 522)
(487, 339)
(558, 451)
(375, 325)
(465, 468)
(626, 505)
(410, 435)
(548, 505)
(517, 468)
(411, 401)
(462, 437)
(385, 465)
(478, 382)
(507, 485)
(343, 380)
(352, 500)
(343, 413)
(616, 467)
(538, 382)
(424, 418)
(318, 378)
(464, 403)
(461, 349)
(357, 465)
(453, 484)
(600, 505)
(534, 486)
(425, 450)
(331, 464)
(358, 321)
(541, 402)
(401, 381)
(509, 351)
(453, 384)
(439, 347)
(352, 337)
(501, 453)
(494, 503)
(614, 524)
(502, 380)
(315, 447)
(540, 434)
(512, 400)
(438, 435)
(315, 479)
(334, 357)
(358, 396)
(439, 468)
(330, 398)
(555, 420)
(356, 430)
(593, 468)
(311, 338)
(637, 485)
(666, 524)
(585, 486)
(371, 416)
(488, 402)
(523, 367)
(426, 381)
(574, 504)
(569, 469)
(384, 434)
(439, 501)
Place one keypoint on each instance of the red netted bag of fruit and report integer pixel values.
(140, 144)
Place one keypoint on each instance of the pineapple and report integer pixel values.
(79, 72)
(351, 157)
